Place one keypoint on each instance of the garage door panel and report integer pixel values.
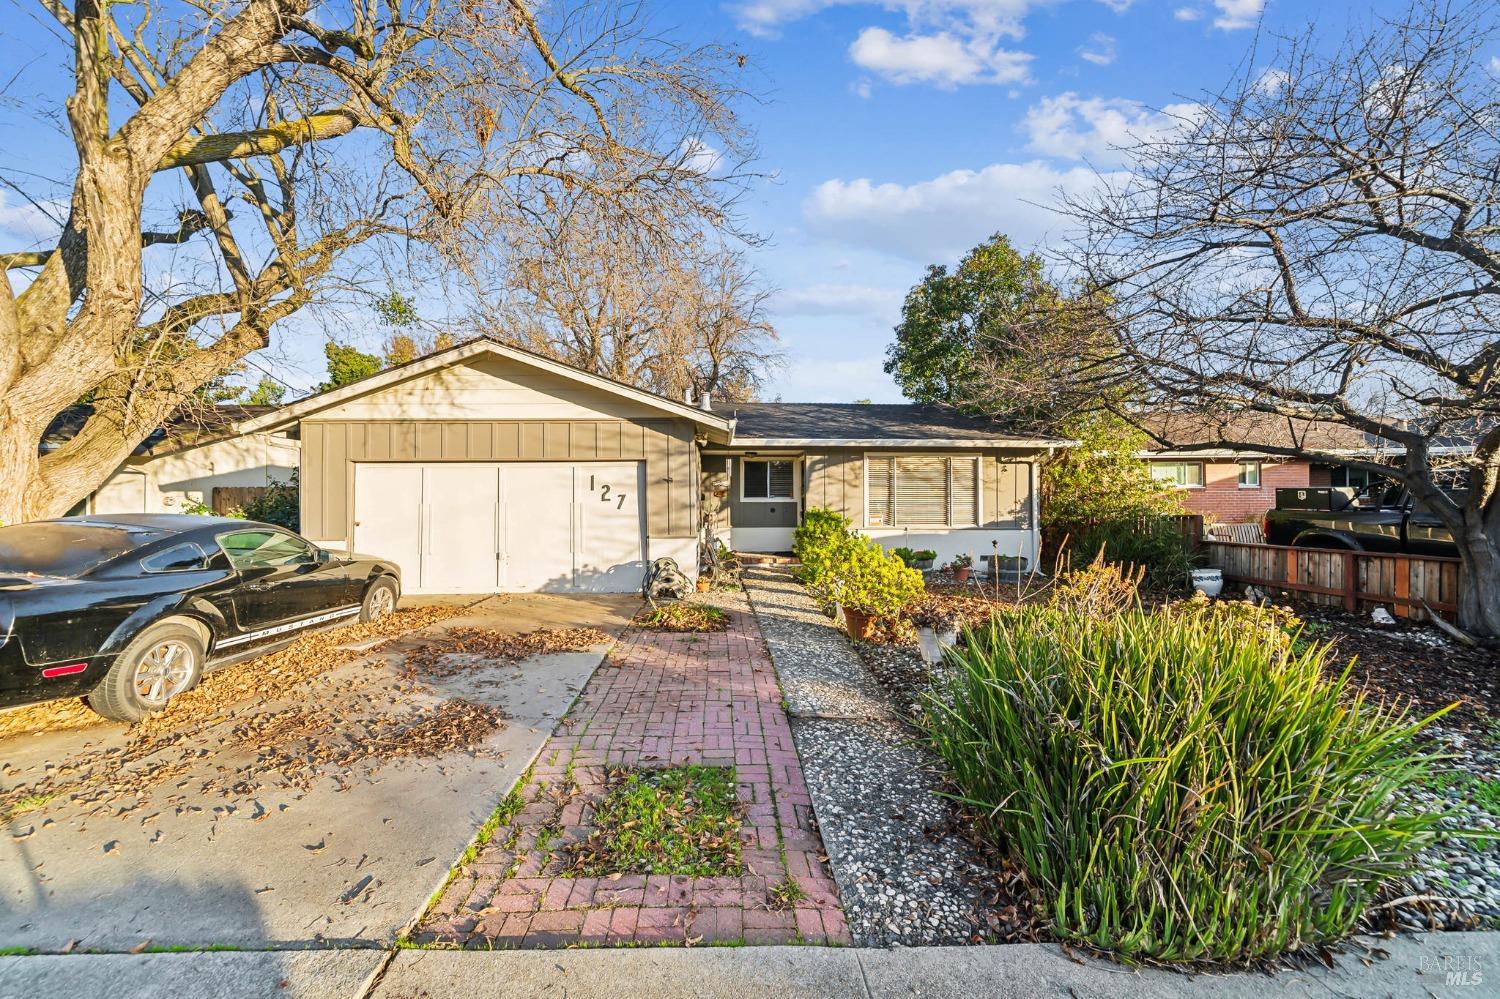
(387, 517)
(608, 555)
(538, 508)
(459, 548)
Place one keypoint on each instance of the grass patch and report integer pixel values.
(29, 803)
(1481, 791)
(1179, 786)
(678, 820)
(785, 894)
(685, 617)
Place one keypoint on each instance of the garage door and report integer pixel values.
(458, 527)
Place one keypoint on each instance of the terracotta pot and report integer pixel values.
(961, 575)
(860, 626)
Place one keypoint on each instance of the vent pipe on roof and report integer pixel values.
(706, 401)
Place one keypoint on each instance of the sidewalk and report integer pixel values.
(1415, 967)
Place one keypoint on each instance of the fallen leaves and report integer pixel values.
(460, 649)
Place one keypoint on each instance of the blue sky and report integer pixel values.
(895, 134)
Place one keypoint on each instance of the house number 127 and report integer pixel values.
(605, 495)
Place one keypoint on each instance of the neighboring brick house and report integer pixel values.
(1234, 485)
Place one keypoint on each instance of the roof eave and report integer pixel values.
(1033, 444)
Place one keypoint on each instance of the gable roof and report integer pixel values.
(718, 425)
(189, 427)
(1199, 434)
(797, 424)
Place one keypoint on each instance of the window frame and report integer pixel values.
(770, 459)
(977, 459)
(1245, 463)
(1202, 474)
(203, 558)
(219, 540)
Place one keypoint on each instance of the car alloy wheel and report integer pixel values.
(382, 603)
(164, 672)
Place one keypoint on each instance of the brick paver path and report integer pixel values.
(659, 699)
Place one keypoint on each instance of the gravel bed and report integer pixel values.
(812, 657)
(907, 871)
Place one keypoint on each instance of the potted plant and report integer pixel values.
(867, 583)
(960, 567)
(937, 627)
(920, 559)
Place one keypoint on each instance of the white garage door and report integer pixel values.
(508, 526)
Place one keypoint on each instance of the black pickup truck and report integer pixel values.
(1384, 519)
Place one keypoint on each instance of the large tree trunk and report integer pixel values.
(1479, 547)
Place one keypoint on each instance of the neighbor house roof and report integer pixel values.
(1199, 434)
(190, 426)
(829, 424)
(716, 423)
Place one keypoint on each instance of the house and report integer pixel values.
(485, 467)
(1234, 486)
(180, 464)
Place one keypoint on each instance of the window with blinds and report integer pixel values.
(922, 491)
(768, 480)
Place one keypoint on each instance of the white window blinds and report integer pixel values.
(922, 491)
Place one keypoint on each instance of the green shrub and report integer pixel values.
(1154, 543)
(277, 505)
(911, 557)
(815, 539)
(1177, 786)
(861, 575)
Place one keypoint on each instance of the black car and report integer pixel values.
(130, 610)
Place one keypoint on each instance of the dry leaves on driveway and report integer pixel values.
(461, 649)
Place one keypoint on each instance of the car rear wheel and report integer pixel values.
(380, 600)
(162, 662)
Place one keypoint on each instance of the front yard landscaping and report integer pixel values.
(671, 820)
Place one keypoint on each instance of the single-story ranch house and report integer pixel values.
(484, 467)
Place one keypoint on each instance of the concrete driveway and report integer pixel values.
(199, 855)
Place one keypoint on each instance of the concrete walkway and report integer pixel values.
(1448, 966)
(351, 859)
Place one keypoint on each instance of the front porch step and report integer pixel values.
(766, 558)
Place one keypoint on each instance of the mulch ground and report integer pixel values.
(1415, 663)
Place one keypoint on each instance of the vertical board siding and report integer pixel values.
(331, 448)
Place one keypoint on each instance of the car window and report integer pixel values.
(175, 559)
(249, 549)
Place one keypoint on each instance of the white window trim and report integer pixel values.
(796, 481)
(979, 518)
(1202, 474)
(1259, 471)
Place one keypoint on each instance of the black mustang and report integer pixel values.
(130, 610)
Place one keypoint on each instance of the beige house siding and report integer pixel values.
(172, 482)
(331, 447)
(489, 388)
(836, 480)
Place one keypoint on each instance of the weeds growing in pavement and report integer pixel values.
(677, 820)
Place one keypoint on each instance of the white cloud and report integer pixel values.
(700, 157)
(840, 300)
(1495, 65)
(1098, 129)
(939, 219)
(1272, 81)
(1236, 14)
(1188, 14)
(1100, 49)
(1118, 6)
(821, 379)
(29, 225)
(944, 59)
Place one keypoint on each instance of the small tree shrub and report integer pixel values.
(911, 557)
(861, 575)
(1098, 588)
(277, 505)
(1177, 786)
(815, 540)
(1154, 543)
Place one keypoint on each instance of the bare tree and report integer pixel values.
(287, 142)
(1322, 241)
(684, 315)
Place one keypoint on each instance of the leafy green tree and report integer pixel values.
(347, 364)
(996, 337)
(1103, 479)
(267, 392)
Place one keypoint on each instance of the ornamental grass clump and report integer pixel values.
(1179, 787)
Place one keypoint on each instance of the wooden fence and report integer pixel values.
(1353, 580)
(228, 498)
